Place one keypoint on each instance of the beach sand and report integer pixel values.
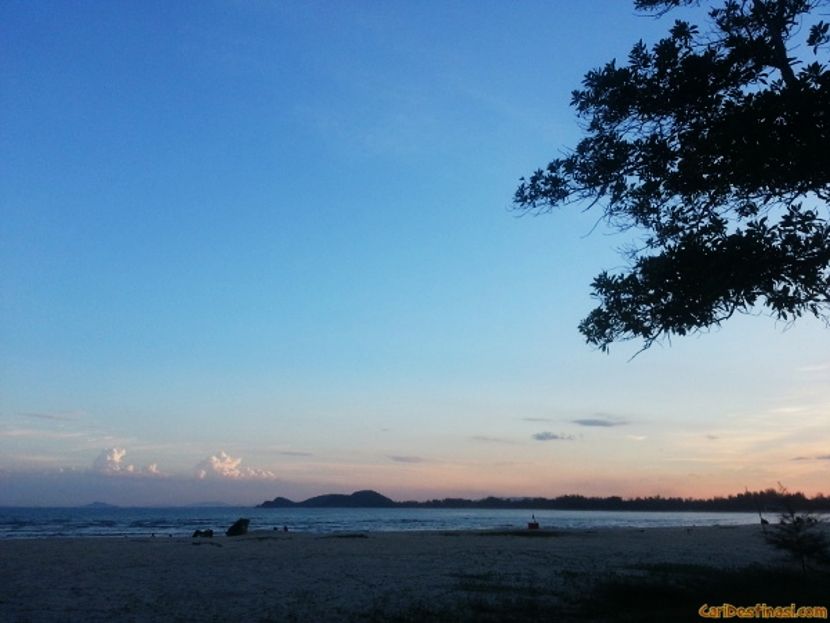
(275, 576)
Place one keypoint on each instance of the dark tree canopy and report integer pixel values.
(715, 146)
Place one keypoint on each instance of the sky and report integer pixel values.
(251, 249)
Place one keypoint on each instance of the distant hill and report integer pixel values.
(279, 502)
(358, 499)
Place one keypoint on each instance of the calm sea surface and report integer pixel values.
(92, 522)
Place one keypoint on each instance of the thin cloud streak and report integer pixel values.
(548, 436)
(53, 417)
(405, 459)
(31, 433)
(601, 422)
(488, 439)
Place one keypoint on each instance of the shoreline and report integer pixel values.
(144, 522)
(278, 534)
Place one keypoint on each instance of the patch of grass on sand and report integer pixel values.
(491, 583)
(346, 535)
(675, 592)
(512, 609)
(649, 593)
(528, 533)
(481, 598)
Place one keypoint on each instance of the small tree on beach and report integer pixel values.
(715, 147)
(802, 535)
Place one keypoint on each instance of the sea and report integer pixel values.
(28, 523)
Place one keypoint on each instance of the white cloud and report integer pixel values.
(790, 409)
(111, 462)
(225, 466)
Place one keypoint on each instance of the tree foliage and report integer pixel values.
(801, 534)
(715, 147)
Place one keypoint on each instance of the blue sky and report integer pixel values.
(274, 240)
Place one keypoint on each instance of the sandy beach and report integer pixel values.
(304, 577)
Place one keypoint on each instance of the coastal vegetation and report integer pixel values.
(801, 534)
(771, 501)
(643, 593)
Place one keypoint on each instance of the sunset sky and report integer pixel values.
(251, 249)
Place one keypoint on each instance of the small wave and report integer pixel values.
(152, 523)
(16, 523)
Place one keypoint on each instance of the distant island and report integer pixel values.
(98, 505)
(767, 501)
(358, 499)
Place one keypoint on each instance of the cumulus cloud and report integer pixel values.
(111, 462)
(224, 466)
(547, 436)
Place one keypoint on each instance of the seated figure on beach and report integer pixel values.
(239, 527)
(207, 534)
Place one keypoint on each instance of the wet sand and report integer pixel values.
(304, 577)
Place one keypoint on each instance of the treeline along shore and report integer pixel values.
(767, 501)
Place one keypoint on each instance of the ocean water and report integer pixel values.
(119, 522)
